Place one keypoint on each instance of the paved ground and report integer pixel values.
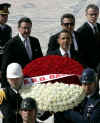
(45, 15)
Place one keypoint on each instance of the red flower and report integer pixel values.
(54, 65)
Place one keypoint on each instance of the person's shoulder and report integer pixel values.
(97, 101)
(98, 25)
(33, 38)
(82, 27)
(16, 37)
(12, 41)
(8, 26)
(75, 32)
(54, 52)
(96, 97)
(54, 35)
(34, 41)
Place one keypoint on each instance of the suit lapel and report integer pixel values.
(22, 47)
(89, 29)
(58, 52)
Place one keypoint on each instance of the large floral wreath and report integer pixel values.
(57, 95)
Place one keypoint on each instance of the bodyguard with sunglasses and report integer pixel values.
(67, 23)
(89, 37)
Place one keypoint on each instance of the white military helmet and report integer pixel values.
(14, 70)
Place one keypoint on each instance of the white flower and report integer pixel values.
(55, 97)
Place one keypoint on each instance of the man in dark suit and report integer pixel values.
(23, 48)
(89, 46)
(5, 30)
(67, 23)
(64, 41)
(89, 109)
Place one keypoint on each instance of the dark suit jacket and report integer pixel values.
(74, 55)
(15, 52)
(53, 43)
(89, 46)
(5, 35)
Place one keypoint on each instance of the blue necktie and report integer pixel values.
(28, 49)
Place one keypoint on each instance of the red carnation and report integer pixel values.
(54, 65)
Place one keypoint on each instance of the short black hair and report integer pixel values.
(68, 15)
(64, 31)
(24, 19)
(93, 6)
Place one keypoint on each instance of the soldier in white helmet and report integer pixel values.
(10, 99)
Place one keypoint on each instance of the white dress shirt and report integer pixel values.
(92, 27)
(63, 52)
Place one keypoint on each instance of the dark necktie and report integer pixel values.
(95, 29)
(72, 46)
(65, 55)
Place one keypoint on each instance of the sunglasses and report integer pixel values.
(67, 24)
(94, 14)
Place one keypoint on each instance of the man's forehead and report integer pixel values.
(67, 19)
(92, 10)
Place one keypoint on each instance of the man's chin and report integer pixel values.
(26, 35)
(93, 21)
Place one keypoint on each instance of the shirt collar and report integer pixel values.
(63, 52)
(91, 25)
(22, 38)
